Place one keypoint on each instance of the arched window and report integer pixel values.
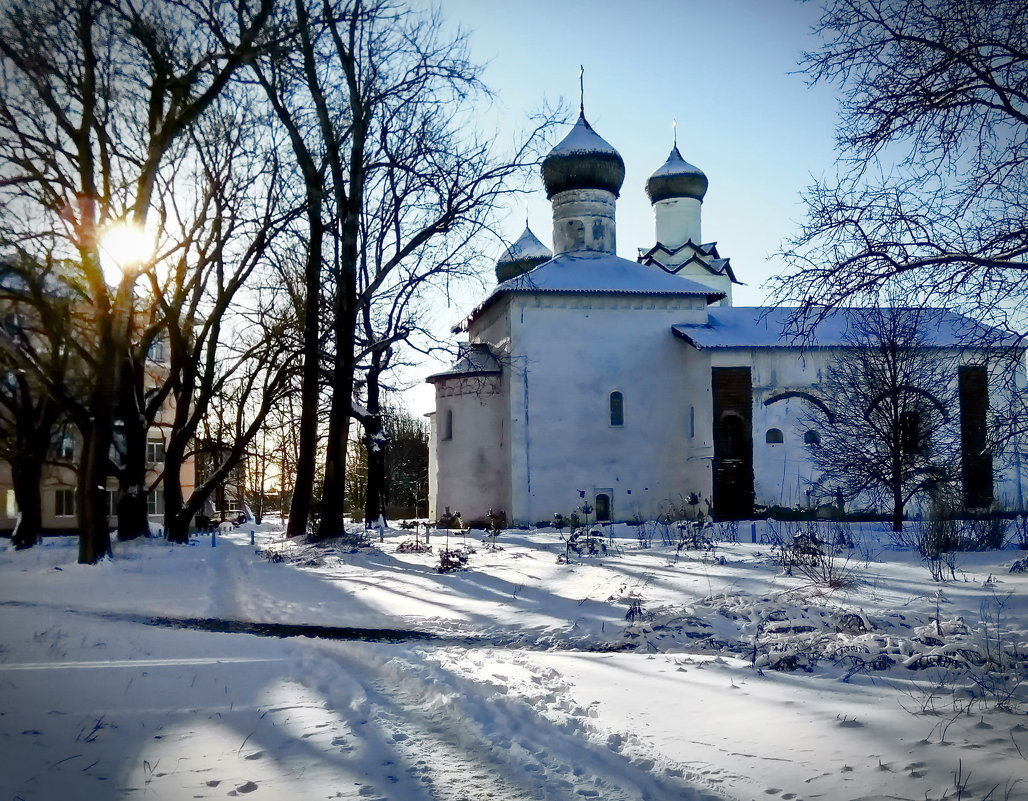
(602, 507)
(617, 409)
(812, 438)
(774, 436)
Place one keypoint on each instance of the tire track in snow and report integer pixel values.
(466, 739)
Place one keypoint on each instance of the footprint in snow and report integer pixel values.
(242, 789)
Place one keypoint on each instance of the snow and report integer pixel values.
(539, 686)
(676, 166)
(769, 327)
(602, 273)
(476, 359)
(582, 139)
(527, 247)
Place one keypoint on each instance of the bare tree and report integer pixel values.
(886, 429)
(93, 96)
(932, 189)
(391, 96)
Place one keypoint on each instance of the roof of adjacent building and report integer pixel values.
(704, 255)
(773, 327)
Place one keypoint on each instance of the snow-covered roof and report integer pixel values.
(589, 272)
(768, 327)
(704, 255)
(475, 359)
(603, 273)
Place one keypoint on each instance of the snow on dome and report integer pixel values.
(676, 178)
(583, 160)
(522, 256)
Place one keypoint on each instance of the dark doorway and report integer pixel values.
(733, 442)
(976, 461)
(602, 507)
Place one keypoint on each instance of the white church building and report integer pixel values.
(631, 385)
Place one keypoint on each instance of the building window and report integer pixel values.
(112, 503)
(155, 352)
(811, 438)
(617, 409)
(448, 424)
(11, 504)
(155, 451)
(64, 503)
(155, 502)
(65, 446)
(774, 436)
(911, 441)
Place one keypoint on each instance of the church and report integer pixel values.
(630, 387)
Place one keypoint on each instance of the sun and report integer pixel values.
(124, 246)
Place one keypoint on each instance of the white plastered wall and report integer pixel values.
(569, 352)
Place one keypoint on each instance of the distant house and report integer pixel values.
(633, 385)
(228, 501)
(58, 480)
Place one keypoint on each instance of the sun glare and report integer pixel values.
(124, 246)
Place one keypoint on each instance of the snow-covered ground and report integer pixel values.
(642, 672)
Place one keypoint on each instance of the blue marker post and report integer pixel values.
(214, 538)
(252, 541)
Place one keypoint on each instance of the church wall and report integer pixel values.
(569, 353)
(783, 472)
(470, 445)
(492, 326)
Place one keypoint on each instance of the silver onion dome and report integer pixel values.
(525, 254)
(676, 178)
(583, 160)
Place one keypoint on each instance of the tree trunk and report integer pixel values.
(897, 503)
(376, 441)
(375, 501)
(132, 508)
(91, 495)
(332, 523)
(303, 485)
(176, 529)
(26, 476)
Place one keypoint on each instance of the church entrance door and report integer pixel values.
(733, 442)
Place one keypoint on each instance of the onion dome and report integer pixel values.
(525, 254)
(583, 160)
(676, 178)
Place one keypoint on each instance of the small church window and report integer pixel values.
(617, 409)
(774, 436)
(911, 441)
(812, 438)
(448, 424)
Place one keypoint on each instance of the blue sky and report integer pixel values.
(720, 67)
(725, 69)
